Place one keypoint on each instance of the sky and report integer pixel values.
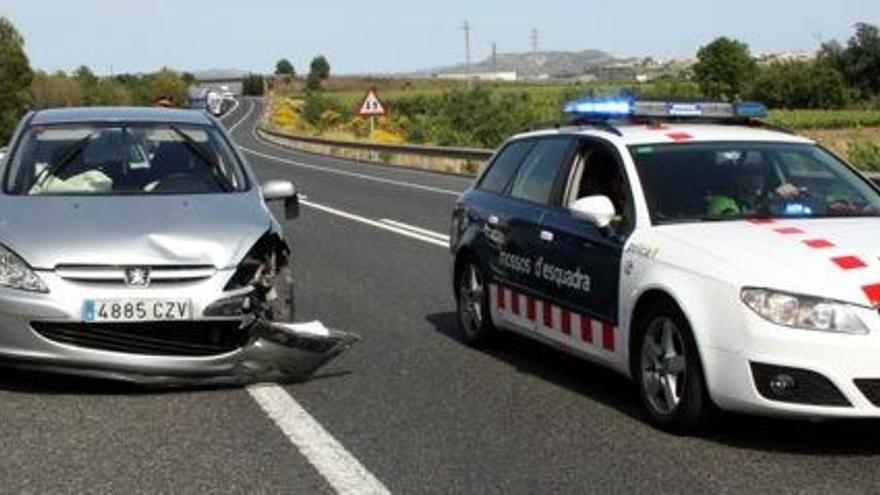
(387, 36)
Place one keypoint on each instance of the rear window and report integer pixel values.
(141, 159)
(503, 168)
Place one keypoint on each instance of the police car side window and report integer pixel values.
(503, 168)
(536, 178)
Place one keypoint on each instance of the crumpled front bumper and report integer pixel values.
(277, 352)
(274, 351)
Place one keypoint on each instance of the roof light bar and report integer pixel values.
(624, 108)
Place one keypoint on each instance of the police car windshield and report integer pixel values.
(718, 181)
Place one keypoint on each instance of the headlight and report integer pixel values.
(805, 312)
(16, 274)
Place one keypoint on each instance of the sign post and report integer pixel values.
(371, 106)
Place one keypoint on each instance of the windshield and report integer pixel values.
(85, 159)
(727, 181)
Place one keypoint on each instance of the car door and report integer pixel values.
(580, 262)
(486, 211)
(539, 182)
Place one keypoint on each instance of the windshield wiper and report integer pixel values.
(205, 158)
(71, 152)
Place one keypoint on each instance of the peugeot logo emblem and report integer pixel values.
(137, 277)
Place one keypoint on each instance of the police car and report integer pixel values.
(714, 260)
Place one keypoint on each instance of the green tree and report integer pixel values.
(55, 90)
(253, 85)
(860, 60)
(319, 71)
(15, 79)
(284, 68)
(812, 84)
(725, 68)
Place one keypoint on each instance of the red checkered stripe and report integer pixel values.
(836, 256)
(550, 320)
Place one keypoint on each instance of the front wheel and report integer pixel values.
(473, 308)
(669, 373)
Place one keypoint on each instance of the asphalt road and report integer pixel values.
(422, 412)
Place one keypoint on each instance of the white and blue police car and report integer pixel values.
(714, 260)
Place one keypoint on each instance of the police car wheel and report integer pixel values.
(669, 373)
(473, 309)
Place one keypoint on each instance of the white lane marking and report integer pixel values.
(231, 110)
(352, 174)
(377, 224)
(417, 230)
(246, 115)
(339, 467)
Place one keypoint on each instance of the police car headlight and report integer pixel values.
(16, 274)
(804, 312)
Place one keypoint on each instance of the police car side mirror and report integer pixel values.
(275, 190)
(598, 210)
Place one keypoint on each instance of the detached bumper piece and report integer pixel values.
(290, 352)
(796, 386)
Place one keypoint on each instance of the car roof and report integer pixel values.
(638, 134)
(120, 114)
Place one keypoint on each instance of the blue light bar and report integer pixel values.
(751, 109)
(623, 108)
(600, 108)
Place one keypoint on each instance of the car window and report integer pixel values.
(600, 171)
(728, 181)
(537, 175)
(85, 159)
(502, 169)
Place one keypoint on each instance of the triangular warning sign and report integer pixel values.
(372, 105)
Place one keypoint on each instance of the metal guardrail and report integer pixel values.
(467, 154)
(475, 154)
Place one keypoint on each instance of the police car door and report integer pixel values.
(580, 262)
(513, 224)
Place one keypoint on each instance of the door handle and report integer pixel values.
(547, 236)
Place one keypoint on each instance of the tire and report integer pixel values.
(668, 371)
(283, 307)
(472, 298)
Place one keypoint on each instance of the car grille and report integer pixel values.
(115, 275)
(870, 387)
(203, 338)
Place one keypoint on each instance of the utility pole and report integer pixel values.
(535, 38)
(467, 45)
(494, 58)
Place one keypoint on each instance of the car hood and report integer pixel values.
(215, 229)
(832, 258)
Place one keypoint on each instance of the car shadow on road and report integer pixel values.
(843, 437)
(34, 382)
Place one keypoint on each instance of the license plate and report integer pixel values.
(104, 310)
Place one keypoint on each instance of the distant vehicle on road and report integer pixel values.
(712, 260)
(137, 244)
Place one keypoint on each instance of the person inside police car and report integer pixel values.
(747, 188)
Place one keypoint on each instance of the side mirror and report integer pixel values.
(274, 190)
(594, 209)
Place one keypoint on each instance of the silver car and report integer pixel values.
(136, 243)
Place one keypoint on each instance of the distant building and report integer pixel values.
(231, 81)
(784, 57)
(480, 76)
